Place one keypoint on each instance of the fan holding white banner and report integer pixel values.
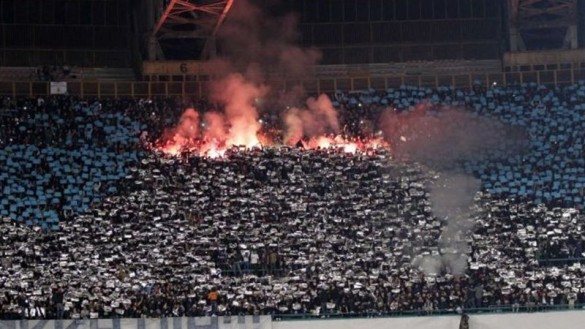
(59, 88)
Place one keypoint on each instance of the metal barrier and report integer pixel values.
(482, 310)
(560, 261)
(138, 89)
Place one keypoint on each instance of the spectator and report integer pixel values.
(338, 232)
(57, 300)
(213, 299)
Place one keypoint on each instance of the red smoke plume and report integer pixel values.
(237, 126)
(262, 45)
(314, 127)
(318, 119)
(239, 96)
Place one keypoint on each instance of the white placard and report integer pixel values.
(59, 88)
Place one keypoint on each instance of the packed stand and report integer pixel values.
(282, 230)
(61, 156)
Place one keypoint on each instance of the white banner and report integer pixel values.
(222, 322)
(556, 320)
(544, 320)
(547, 320)
(58, 88)
(422, 322)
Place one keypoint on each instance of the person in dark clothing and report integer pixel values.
(57, 300)
(23, 304)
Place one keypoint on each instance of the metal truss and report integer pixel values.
(529, 15)
(192, 19)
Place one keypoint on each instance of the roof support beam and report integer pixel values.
(195, 19)
(529, 15)
(209, 50)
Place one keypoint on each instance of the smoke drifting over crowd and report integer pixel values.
(256, 46)
(452, 197)
(317, 119)
(242, 117)
(443, 140)
(265, 43)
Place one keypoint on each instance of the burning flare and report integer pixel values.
(216, 147)
(314, 127)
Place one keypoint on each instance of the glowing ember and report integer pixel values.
(216, 149)
(347, 146)
(178, 146)
(315, 127)
(350, 148)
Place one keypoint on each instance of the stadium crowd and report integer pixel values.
(95, 225)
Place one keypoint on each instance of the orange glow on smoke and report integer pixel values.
(217, 149)
(212, 134)
(347, 146)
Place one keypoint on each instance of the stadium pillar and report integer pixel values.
(152, 47)
(516, 41)
(572, 38)
(210, 49)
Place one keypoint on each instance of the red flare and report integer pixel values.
(213, 148)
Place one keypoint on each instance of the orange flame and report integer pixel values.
(217, 149)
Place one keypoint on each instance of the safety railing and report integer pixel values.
(559, 262)
(148, 89)
(481, 310)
